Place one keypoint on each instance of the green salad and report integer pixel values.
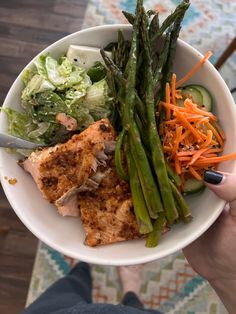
(59, 86)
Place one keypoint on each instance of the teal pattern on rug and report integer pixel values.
(170, 284)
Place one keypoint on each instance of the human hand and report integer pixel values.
(213, 255)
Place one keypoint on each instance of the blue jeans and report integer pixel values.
(72, 294)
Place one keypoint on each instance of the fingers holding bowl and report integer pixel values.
(223, 184)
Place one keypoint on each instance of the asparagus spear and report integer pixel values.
(119, 77)
(140, 208)
(129, 16)
(155, 143)
(149, 187)
(151, 12)
(154, 236)
(183, 6)
(118, 160)
(154, 25)
(133, 113)
(173, 175)
(162, 60)
(121, 52)
(182, 205)
(167, 70)
(153, 29)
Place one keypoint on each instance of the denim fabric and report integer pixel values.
(73, 295)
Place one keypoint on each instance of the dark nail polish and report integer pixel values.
(213, 177)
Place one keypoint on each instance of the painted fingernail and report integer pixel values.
(213, 177)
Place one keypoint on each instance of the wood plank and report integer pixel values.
(26, 27)
(48, 21)
(71, 8)
(36, 5)
(12, 295)
(12, 65)
(16, 266)
(27, 34)
(15, 47)
(17, 251)
(6, 81)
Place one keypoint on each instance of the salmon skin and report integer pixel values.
(80, 179)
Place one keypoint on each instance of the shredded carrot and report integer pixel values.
(194, 69)
(195, 118)
(209, 155)
(195, 174)
(184, 158)
(191, 137)
(167, 101)
(173, 121)
(218, 159)
(177, 139)
(177, 166)
(161, 129)
(167, 149)
(220, 131)
(202, 121)
(186, 153)
(193, 107)
(173, 81)
(215, 150)
(172, 107)
(196, 155)
(208, 139)
(214, 131)
(187, 125)
(186, 133)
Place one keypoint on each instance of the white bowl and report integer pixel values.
(66, 234)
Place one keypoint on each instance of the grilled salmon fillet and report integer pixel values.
(80, 179)
(107, 212)
(60, 170)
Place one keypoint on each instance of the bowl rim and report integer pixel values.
(102, 260)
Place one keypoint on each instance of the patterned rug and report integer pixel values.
(170, 284)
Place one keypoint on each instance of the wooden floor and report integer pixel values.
(26, 27)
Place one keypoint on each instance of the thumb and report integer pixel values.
(223, 184)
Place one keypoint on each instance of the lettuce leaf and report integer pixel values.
(40, 66)
(37, 84)
(98, 101)
(19, 124)
(58, 86)
(64, 75)
(46, 106)
(27, 75)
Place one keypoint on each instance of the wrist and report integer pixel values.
(226, 289)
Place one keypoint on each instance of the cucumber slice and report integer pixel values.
(194, 94)
(192, 186)
(207, 98)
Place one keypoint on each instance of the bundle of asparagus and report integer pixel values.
(137, 74)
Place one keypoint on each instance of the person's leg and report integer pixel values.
(66, 292)
(131, 299)
(131, 280)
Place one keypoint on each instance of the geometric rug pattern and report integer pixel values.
(208, 25)
(169, 284)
